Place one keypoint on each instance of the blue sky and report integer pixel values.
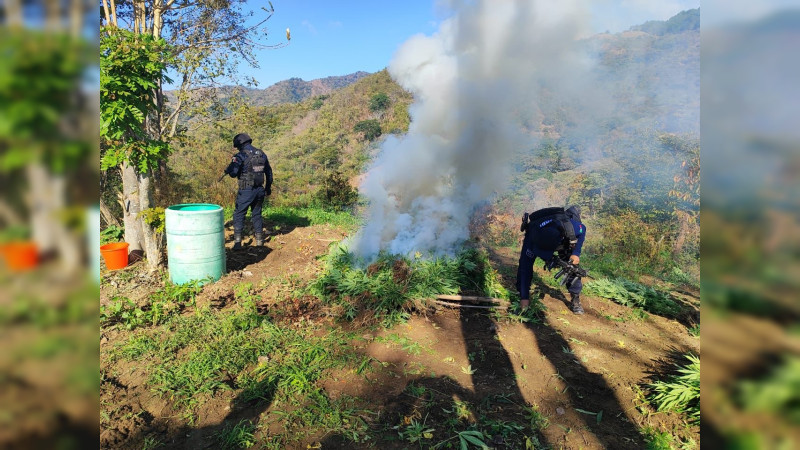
(341, 37)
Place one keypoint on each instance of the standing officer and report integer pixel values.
(252, 168)
(548, 231)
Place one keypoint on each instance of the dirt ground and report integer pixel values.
(584, 373)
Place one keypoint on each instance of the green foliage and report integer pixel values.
(319, 101)
(390, 285)
(631, 294)
(414, 431)
(131, 68)
(15, 233)
(371, 129)
(163, 304)
(777, 393)
(39, 79)
(154, 217)
(680, 393)
(379, 102)
(336, 192)
(241, 435)
(657, 440)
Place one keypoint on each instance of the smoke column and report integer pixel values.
(473, 81)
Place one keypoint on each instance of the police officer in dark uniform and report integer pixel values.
(546, 238)
(252, 168)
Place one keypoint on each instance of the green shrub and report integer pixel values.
(371, 129)
(379, 102)
(336, 192)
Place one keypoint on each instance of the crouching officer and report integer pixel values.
(547, 232)
(252, 168)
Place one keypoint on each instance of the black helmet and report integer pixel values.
(574, 212)
(240, 139)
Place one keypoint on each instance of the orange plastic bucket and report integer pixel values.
(115, 255)
(20, 256)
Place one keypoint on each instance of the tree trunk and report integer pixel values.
(108, 216)
(13, 12)
(68, 242)
(130, 211)
(9, 216)
(40, 201)
(152, 239)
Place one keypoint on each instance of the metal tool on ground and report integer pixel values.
(468, 301)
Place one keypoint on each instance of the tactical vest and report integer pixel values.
(252, 172)
(552, 217)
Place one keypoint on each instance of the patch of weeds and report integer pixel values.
(497, 429)
(695, 330)
(681, 392)
(388, 288)
(536, 419)
(151, 442)
(657, 440)
(460, 411)
(316, 413)
(630, 294)
(241, 435)
(777, 393)
(407, 345)
(415, 431)
(163, 304)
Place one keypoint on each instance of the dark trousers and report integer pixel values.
(527, 256)
(252, 199)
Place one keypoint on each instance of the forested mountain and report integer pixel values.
(296, 90)
(292, 90)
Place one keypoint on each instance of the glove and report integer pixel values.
(269, 190)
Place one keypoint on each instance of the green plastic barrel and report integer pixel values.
(195, 242)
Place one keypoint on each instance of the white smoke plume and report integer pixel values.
(474, 82)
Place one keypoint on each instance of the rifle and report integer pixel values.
(570, 272)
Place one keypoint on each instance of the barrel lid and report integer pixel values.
(195, 207)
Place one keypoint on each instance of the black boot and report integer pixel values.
(575, 305)
(259, 239)
(237, 241)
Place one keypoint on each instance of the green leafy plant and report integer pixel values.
(112, 233)
(241, 435)
(630, 294)
(155, 218)
(131, 68)
(680, 393)
(778, 392)
(415, 431)
(657, 440)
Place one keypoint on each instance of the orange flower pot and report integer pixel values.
(21, 256)
(115, 255)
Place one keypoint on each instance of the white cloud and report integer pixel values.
(309, 26)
